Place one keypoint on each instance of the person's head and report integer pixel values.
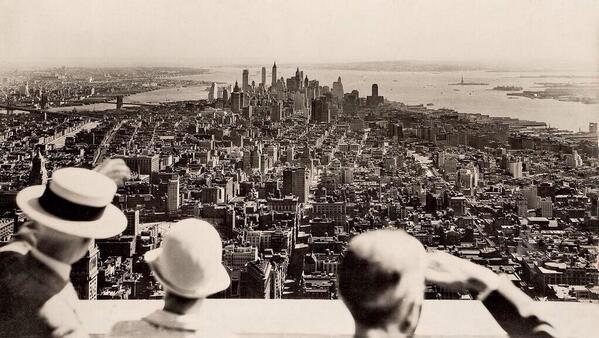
(189, 264)
(73, 208)
(381, 281)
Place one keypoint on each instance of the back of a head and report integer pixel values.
(381, 279)
(189, 261)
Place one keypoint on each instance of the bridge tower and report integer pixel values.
(119, 102)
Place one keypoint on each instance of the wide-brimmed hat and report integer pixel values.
(76, 201)
(189, 263)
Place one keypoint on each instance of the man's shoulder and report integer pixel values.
(131, 328)
(142, 328)
(20, 277)
(15, 274)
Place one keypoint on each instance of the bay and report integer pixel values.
(415, 88)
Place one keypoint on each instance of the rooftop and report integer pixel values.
(326, 318)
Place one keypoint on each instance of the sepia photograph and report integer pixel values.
(299, 168)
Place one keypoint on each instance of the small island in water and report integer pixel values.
(508, 88)
(462, 83)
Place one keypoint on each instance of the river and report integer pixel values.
(419, 88)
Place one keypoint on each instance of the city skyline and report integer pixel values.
(127, 34)
(356, 161)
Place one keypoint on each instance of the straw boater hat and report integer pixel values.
(76, 201)
(189, 263)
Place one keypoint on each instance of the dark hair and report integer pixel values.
(361, 282)
(178, 304)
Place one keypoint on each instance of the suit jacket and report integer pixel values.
(516, 312)
(35, 301)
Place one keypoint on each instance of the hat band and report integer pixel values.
(68, 210)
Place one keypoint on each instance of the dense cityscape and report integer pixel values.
(288, 169)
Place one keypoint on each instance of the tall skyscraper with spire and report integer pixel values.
(338, 89)
(38, 175)
(236, 99)
(274, 74)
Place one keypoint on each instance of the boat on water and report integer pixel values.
(430, 104)
(508, 88)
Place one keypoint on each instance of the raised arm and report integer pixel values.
(513, 309)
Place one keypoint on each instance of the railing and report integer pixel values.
(324, 318)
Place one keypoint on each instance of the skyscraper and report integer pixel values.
(338, 89)
(276, 111)
(172, 196)
(213, 92)
(245, 85)
(132, 223)
(84, 274)
(374, 99)
(264, 76)
(522, 205)
(320, 111)
(298, 79)
(531, 196)
(274, 74)
(38, 174)
(546, 206)
(296, 182)
(236, 99)
(225, 95)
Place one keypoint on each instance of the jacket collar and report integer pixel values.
(60, 268)
(173, 321)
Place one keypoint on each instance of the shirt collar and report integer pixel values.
(61, 268)
(173, 321)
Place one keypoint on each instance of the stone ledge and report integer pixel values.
(324, 318)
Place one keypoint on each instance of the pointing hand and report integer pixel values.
(456, 273)
(115, 169)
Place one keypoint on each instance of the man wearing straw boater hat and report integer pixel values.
(37, 298)
(189, 267)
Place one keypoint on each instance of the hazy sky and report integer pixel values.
(219, 31)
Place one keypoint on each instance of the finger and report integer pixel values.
(117, 160)
(120, 171)
(438, 277)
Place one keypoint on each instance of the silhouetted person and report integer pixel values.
(382, 278)
(381, 281)
(189, 267)
(37, 298)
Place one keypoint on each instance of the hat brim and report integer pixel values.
(218, 282)
(112, 222)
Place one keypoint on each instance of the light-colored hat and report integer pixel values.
(76, 201)
(189, 263)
